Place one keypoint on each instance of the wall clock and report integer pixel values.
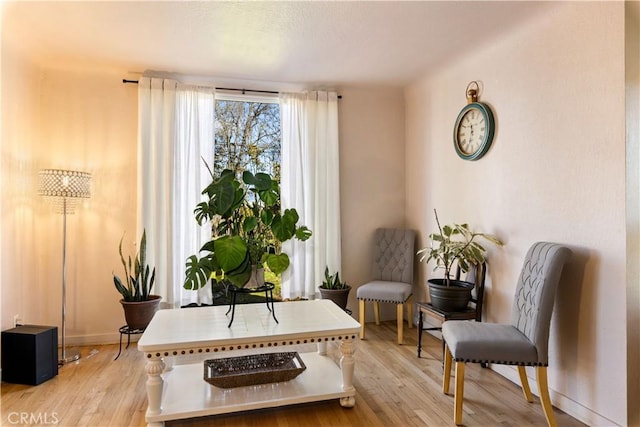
(474, 128)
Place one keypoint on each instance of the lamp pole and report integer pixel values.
(59, 185)
(75, 354)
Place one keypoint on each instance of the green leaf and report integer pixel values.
(436, 237)
(260, 181)
(209, 246)
(230, 252)
(124, 264)
(223, 196)
(126, 295)
(266, 217)
(248, 178)
(269, 197)
(202, 213)
(240, 275)
(278, 263)
(303, 233)
(284, 227)
(153, 280)
(197, 272)
(291, 215)
(249, 224)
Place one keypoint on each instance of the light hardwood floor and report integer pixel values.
(394, 388)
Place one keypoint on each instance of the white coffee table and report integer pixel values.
(177, 392)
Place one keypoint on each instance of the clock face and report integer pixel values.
(473, 132)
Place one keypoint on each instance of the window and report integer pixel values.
(247, 135)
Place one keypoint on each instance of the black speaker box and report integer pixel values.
(29, 354)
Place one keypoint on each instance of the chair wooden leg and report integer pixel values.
(376, 312)
(543, 389)
(525, 384)
(400, 321)
(446, 373)
(458, 393)
(409, 312)
(362, 317)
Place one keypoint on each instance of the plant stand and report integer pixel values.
(126, 330)
(267, 288)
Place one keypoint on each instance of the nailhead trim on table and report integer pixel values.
(267, 344)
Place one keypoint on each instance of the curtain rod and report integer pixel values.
(229, 88)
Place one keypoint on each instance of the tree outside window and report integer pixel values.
(247, 137)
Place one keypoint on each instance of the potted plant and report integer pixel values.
(248, 229)
(335, 290)
(454, 244)
(138, 303)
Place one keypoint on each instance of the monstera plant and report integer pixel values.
(248, 229)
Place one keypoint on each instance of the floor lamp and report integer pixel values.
(65, 188)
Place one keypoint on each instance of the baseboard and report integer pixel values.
(559, 400)
(97, 339)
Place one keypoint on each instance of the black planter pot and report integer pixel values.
(454, 297)
(338, 296)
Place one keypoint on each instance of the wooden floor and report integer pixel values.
(394, 388)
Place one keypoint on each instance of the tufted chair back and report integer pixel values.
(535, 292)
(393, 255)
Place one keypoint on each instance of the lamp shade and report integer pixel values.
(64, 183)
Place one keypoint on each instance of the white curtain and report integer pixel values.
(175, 132)
(311, 184)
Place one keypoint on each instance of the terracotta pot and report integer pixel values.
(338, 296)
(138, 314)
(454, 297)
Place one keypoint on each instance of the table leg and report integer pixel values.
(347, 365)
(419, 333)
(168, 363)
(322, 348)
(155, 384)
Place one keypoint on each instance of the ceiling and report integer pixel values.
(308, 43)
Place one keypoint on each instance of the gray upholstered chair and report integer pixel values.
(392, 276)
(524, 342)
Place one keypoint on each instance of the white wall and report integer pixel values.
(632, 75)
(65, 119)
(20, 134)
(556, 171)
(89, 123)
(371, 177)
